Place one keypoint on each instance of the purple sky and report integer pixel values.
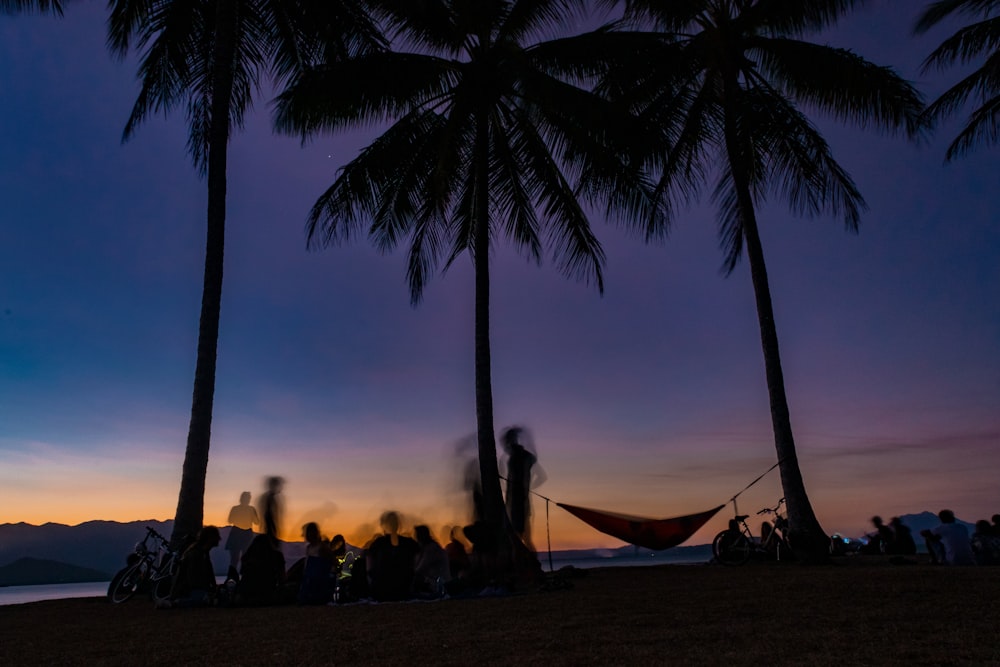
(650, 400)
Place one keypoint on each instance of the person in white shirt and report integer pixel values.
(952, 539)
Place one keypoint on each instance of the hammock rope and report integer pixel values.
(696, 520)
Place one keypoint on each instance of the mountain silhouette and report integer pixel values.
(31, 571)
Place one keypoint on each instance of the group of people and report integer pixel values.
(894, 539)
(951, 544)
(391, 566)
(947, 544)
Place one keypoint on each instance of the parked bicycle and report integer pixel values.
(151, 568)
(736, 544)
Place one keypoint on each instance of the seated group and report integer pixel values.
(391, 567)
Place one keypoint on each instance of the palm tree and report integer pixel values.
(489, 130)
(727, 85)
(25, 6)
(967, 44)
(208, 55)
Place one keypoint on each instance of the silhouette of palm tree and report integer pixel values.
(490, 138)
(208, 55)
(980, 39)
(25, 6)
(727, 80)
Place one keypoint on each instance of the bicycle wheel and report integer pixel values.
(125, 584)
(163, 580)
(731, 548)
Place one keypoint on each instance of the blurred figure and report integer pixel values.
(985, 544)
(878, 540)
(459, 565)
(242, 518)
(390, 560)
(996, 524)
(270, 509)
(316, 584)
(949, 543)
(194, 584)
(901, 539)
(522, 474)
(431, 570)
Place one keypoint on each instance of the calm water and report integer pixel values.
(21, 594)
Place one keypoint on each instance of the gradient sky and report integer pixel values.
(649, 400)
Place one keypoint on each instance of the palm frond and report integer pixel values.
(839, 82)
(983, 126)
(375, 87)
(966, 44)
(795, 17)
(25, 6)
(942, 9)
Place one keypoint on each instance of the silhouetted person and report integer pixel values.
(270, 505)
(316, 585)
(431, 570)
(949, 542)
(390, 560)
(242, 518)
(901, 539)
(878, 540)
(194, 584)
(985, 544)
(521, 468)
(262, 573)
(459, 565)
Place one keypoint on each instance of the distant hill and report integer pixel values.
(97, 545)
(32, 571)
(103, 546)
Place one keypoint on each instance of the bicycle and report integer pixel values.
(736, 544)
(150, 568)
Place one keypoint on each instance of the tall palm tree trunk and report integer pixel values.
(493, 506)
(805, 535)
(191, 499)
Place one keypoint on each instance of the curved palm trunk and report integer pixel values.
(489, 474)
(806, 536)
(191, 499)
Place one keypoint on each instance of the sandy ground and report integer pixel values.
(858, 611)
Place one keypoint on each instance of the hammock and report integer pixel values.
(653, 534)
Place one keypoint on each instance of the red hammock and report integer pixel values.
(653, 534)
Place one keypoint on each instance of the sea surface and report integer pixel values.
(21, 594)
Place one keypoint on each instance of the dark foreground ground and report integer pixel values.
(858, 612)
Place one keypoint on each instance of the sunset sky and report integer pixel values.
(649, 400)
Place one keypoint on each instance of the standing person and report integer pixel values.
(952, 539)
(521, 467)
(242, 518)
(270, 505)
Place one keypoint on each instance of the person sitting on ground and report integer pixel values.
(431, 570)
(878, 540)
(949, 542)
(901, 541)
(985, 544)
(262, 573)
(389, 562)
(459, 565)
(316, 582)
(194, 584)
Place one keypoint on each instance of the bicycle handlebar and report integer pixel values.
(151, 532)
